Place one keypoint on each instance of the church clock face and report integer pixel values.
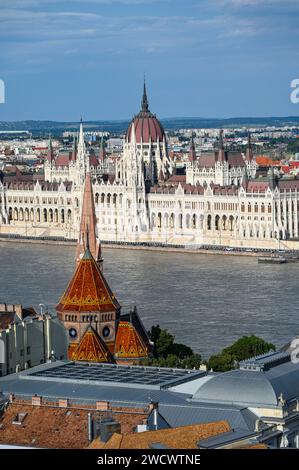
(73, 333)
(106, 331)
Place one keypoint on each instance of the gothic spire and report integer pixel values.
(50, 155)
(144, 102)
(249, 152)
(221, 144)
(88, 236)
(74, 151)
(221, 151)
(102, 154)
(192, 153)
(81, 135)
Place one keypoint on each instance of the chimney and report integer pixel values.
(153, 408)
(11, 397)
(63, 403)
(102, 405)
(36, 401)
(89, 427)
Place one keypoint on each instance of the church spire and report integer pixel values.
(221, 151)
(144, 102)
(50, 155)
(249, 152)
(81, 143)
(88, 237)
(74, 151)
(102, 154)
(192, 152)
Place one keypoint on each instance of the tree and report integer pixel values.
(244, 348)
(167, 353)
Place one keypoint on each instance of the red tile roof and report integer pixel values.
(88, 290)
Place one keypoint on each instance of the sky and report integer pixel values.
(61, 60)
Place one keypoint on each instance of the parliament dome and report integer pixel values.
(147, 126)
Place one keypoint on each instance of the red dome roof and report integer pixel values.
(147, 126)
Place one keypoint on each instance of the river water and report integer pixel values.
(206, 301)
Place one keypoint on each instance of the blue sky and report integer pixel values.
(205, 58)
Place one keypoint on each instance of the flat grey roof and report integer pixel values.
(226, 438)
(111, 374)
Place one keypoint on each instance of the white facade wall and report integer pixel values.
(31, 342)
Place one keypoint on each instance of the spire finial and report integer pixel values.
(144, 102)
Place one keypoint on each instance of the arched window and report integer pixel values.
(180, 220)
(171, 221)
(209, 222)
(159, 220)
(194, 221)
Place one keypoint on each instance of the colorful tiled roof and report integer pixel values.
(88, 290)
(91, 348)
(129, 343)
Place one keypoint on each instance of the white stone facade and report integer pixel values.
(221, 205)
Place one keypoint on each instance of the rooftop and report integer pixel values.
(266, 380)
(111, 374)
(185, 437)
(49, 426)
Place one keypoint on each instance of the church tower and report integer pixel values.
(88, 226)
(89, 310)
(88, 302)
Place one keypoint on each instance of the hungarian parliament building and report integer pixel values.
(221, 200)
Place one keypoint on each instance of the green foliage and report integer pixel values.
(221, 362)
(244, 348)
(293, 146)
(167, 353)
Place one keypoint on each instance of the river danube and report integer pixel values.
(206, 301)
